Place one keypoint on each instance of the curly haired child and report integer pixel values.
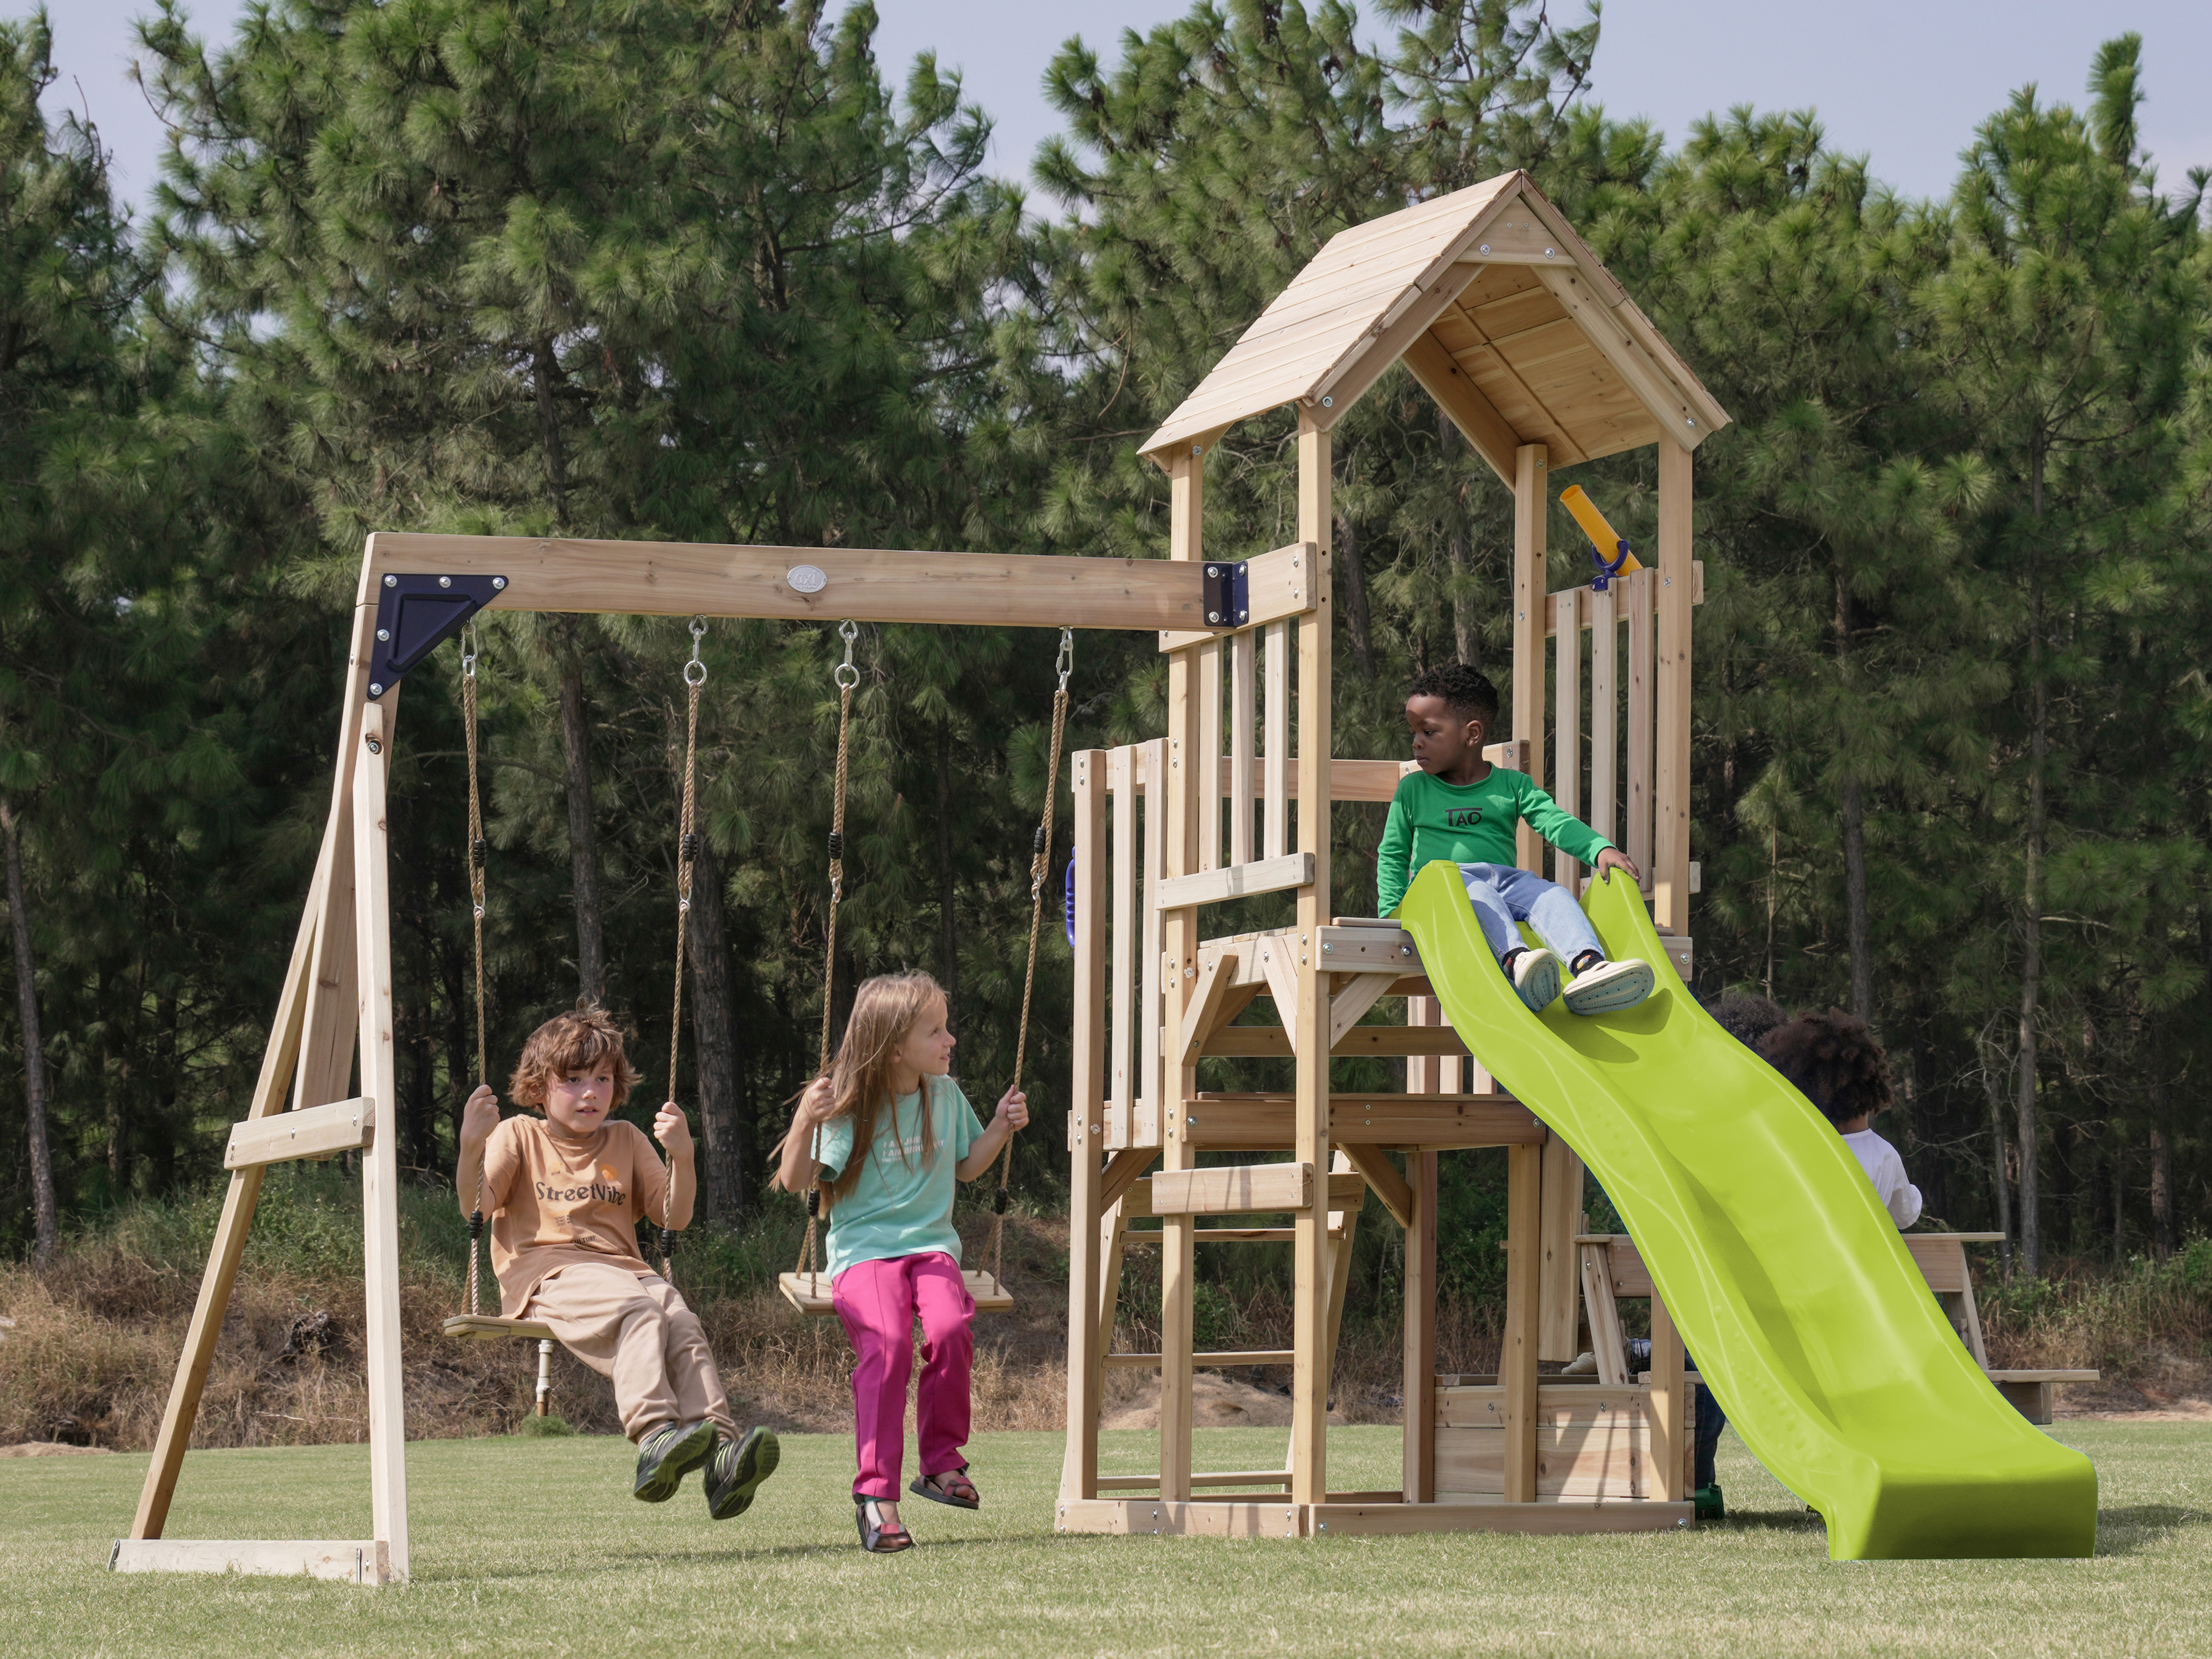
(566, 1190)
(1836, 1064)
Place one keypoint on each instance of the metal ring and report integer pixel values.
(839, 674)
(690, 678)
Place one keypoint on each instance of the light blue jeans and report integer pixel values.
(1503, 895)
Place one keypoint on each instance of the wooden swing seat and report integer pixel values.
(810, 1292)
(489, 1327)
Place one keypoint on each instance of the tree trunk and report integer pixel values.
(2164, 1236)
(948, 927)
(417, 1087)
(2030, 968)
(1358, 626)
(1858, 924)
(545, 369)
(44, 1207)
(2000, 1179)
(1459, 558)
(723, 1124)
(583, 835)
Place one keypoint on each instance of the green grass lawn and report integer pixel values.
(535, 1547)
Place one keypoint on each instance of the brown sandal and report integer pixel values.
(878, 1537)
(951, 1486)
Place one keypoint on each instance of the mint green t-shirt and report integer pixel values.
(901, 1206)
(1469, 823)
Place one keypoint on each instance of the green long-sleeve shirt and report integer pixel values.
(1469, 823)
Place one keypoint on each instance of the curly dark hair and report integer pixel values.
(1466, 690)
(1746, 1018)
(1834, 1060)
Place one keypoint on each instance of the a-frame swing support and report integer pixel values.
(337, 1000)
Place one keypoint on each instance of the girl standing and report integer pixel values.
(887, 1131)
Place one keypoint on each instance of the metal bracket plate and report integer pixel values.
(1227, 594)
(416, 615)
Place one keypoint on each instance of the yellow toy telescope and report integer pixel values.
(1608, 549)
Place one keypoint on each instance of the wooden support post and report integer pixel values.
(1517, 1359)
(1530, 566)
(1185, 799)
(1567, 723)
(278, 1060)
(1275, 716)
(1560, 1278)
(1086, 1120)
(1208, 688)
(1154, 1089)
(1123, 935)
(1420, 1391)
(1309, 1386)
(1604, 716)
(1670, 1394)
(1670, 852)
(1638, 596)
(380, 1162)
(1241, 716)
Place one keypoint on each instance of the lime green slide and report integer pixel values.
(1787, 1277)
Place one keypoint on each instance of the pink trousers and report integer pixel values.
(878, 1301)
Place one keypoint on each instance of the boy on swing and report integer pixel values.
(565, 1192)
(1461, 808)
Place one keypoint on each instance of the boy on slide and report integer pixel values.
(565, 1192)
(1460, 807)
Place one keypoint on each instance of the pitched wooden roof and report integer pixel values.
(1496, 307)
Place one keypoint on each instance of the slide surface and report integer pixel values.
(1803, 1309)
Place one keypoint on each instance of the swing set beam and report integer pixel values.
(337, 1002)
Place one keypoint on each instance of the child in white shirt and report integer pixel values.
(1836, 1064)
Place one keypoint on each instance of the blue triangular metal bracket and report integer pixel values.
(416, 615)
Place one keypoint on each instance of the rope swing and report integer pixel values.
(687, 853)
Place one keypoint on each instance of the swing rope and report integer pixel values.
(846, 676)
(477, 852)
(1040, 866)
(687, 853)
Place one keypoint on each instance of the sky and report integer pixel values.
(1903, 82)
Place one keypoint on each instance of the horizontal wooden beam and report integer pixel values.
(1204, 1478)
(344, 1126)
(807, 584)
(1234, 881)
(1621, 594)
(1265, 1122)
(1374, 1041)
(351, 1561)
(1234, 1191)
(1276, 584)
(1225, 1360)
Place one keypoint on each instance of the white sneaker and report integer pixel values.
(1609, 987)
(1536, 975)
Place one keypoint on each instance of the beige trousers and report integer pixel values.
(639, 1333)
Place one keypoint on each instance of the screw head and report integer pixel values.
(374, 747)
(1328, 403)
(1485, 247)
(1327, 949)
(391, 581)
(384, 633)
(1243, 616)
(499, 584)
(1547, 253)
(1214, 615)
(1213, 570)
(445, 581)
(375, 689)
(1198, 449)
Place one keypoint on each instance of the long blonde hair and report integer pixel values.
(885, 1009)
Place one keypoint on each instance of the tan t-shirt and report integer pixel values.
(558, 1198)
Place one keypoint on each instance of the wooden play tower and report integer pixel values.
(1540, 359)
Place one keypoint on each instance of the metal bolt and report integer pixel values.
(374, 747)
(1328, 403)
(391, 581)
(1243, 616)
(499, 584)
(1547, 253)
(1294, 562)
(1214, 615)
(1405, 950)
(383, 633)
(1198, 449)
(375, 689)
(1327, 949)
(1485, 247)
(1213, 570)
(445, 581)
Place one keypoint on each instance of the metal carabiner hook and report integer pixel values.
(845, 674)
(698, 633)
(469, 643)
(1065, 664)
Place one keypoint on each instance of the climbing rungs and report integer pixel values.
(810, 1292)
(1234, 881)
(341, 1126)
(349, 1562)
(1225, 1359)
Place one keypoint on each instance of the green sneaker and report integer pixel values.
(736, 1470)
(1708, 1504)
(667, 1455)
